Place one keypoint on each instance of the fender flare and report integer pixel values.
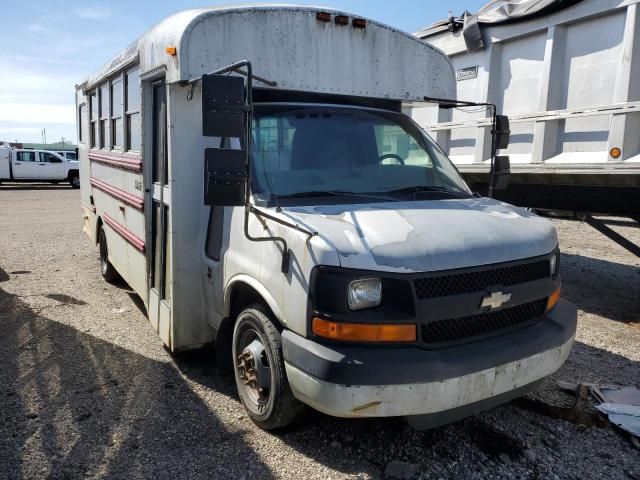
(258, 287)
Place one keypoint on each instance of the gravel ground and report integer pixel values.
(87, 389)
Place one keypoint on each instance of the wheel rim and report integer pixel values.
(76, 181)
(253, 370)
(103, 253)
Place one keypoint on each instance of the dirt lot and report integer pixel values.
(86, 389)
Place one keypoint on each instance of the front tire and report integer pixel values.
(106, 269)
(259, 370)
(74, 179)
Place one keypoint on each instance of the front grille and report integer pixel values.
(454, 329)
(456, 283)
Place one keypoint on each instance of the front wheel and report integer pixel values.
(259, 371)
(106, 269)
(74, 180)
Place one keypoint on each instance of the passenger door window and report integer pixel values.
(50, 167)
(214, 233)
(25, 165)
(26, 157)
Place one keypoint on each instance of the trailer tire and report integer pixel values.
(106, 269)
(255, 334)
(74, 179)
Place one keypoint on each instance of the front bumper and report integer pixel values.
(365, 381)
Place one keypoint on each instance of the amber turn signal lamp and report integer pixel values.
(342, 20)
(171, 51)
(553, 299)
(363, 332)
(615, 152)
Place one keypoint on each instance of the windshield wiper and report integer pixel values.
(425, 188)
(335, 193)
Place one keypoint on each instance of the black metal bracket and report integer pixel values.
(247, 144)
(610, 233)
(450, 103)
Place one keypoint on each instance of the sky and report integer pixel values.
(49, 46)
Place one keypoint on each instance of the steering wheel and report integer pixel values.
(391, 155)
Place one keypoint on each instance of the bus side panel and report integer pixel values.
(186, 165)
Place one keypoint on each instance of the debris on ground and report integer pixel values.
(622, 406)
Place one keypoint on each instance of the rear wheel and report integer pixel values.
(106, 269)
(259, 370)
(74, 179)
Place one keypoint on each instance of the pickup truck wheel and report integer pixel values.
(259, 371)
(74, 179)
(106, 269)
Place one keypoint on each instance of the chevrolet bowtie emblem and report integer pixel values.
(495, 300)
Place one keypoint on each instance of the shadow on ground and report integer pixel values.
(608, 289)
(88, 406)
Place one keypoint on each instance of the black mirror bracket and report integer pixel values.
(499, 136)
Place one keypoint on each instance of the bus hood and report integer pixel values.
(429, 235)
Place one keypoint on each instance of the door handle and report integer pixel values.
(41, 164)
(17, 163)
(209, 273)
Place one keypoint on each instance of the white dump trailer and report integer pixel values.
(568, 77)
(250, 173)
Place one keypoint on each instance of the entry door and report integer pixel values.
(50, 167)
(25, 165)
(159, 271)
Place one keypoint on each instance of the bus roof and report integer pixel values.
(288, 44)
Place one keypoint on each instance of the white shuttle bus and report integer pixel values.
(250, 174)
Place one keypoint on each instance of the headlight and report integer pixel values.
(364, 293)
(553, 263)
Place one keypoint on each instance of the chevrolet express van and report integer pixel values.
(249, 171)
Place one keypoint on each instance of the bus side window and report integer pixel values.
(214, 233)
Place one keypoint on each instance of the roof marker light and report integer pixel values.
(359, 23)
(323, 17)
(615, 152)
(342, 20)
(171, 51)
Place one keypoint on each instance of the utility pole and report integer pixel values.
(44, 133)
(63, 143)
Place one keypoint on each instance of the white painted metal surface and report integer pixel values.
(5, 154)
(288, 45)
(569, 81)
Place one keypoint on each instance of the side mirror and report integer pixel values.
(224, 116)
(224, 177)
(223, 112)
(502, 132)
(501, 172)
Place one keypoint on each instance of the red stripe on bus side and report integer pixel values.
(126, 197)
(126, 163)
(133, 240)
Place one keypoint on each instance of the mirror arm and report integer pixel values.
(451, 103)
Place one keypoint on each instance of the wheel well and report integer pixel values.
(98, 227)
(242, 296)
(71, 172)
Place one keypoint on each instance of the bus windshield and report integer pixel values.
(307, 150)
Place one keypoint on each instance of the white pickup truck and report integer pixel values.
(18, 165)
